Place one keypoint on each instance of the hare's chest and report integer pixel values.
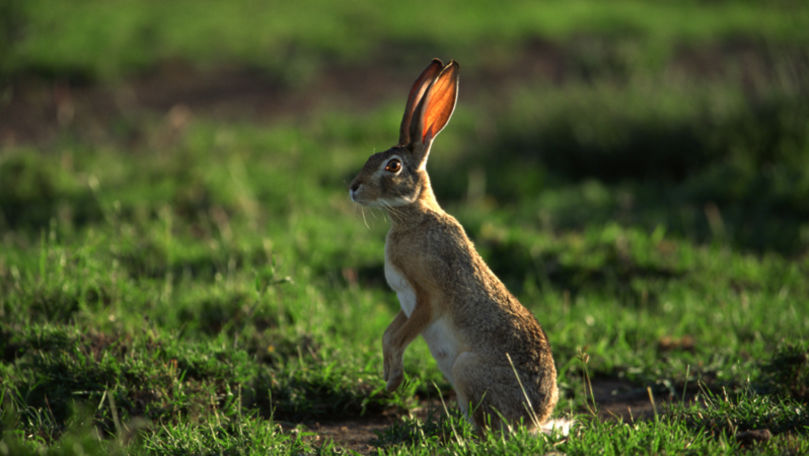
(399, 284)
(439, 334)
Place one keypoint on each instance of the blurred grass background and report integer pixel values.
(177, 247)
(684, 103)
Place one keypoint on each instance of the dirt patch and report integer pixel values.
(619, 399)
(615, 398)
(37, 109)
(353, 434)
(359, 434)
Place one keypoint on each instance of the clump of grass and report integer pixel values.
(34, 190)
(79, 437)
(778, 423)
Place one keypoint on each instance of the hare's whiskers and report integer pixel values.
(393, 210)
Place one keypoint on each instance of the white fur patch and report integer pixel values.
(394, 202)
(443, 346)
(560, 426)
(438, 335)
(399, 284)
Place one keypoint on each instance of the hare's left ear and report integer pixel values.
(434, 111)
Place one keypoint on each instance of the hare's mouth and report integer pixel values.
(353, 193)
(358, 198)
(364, 202)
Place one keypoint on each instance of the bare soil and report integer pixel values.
(620, 399)
(615, 399)
(35, 109)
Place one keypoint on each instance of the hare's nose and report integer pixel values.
(355, 186)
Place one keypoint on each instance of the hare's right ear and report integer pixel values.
(416, 94)
(433, 111)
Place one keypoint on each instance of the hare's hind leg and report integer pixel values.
(472, 384)
(490, 395)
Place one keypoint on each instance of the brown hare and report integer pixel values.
(488, 346)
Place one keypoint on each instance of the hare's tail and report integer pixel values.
(559, 426)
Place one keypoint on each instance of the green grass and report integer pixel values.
(209, 288)
(291, 42)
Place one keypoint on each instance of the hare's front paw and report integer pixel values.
(394, 380)
(394, 372)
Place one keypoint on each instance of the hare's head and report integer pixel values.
(398, 176)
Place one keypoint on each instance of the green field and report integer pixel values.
(182, 272)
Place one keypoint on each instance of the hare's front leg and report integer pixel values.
(397, 337)
(393, 368)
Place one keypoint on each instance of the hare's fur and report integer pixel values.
(479, 333)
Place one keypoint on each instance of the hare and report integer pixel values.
(489, 347)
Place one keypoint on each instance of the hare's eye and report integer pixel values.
(393, 166)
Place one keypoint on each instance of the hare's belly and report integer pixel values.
(444, 347)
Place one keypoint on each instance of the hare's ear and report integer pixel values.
(435, 109)
(416, 94)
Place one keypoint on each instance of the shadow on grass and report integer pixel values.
(739, 177)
